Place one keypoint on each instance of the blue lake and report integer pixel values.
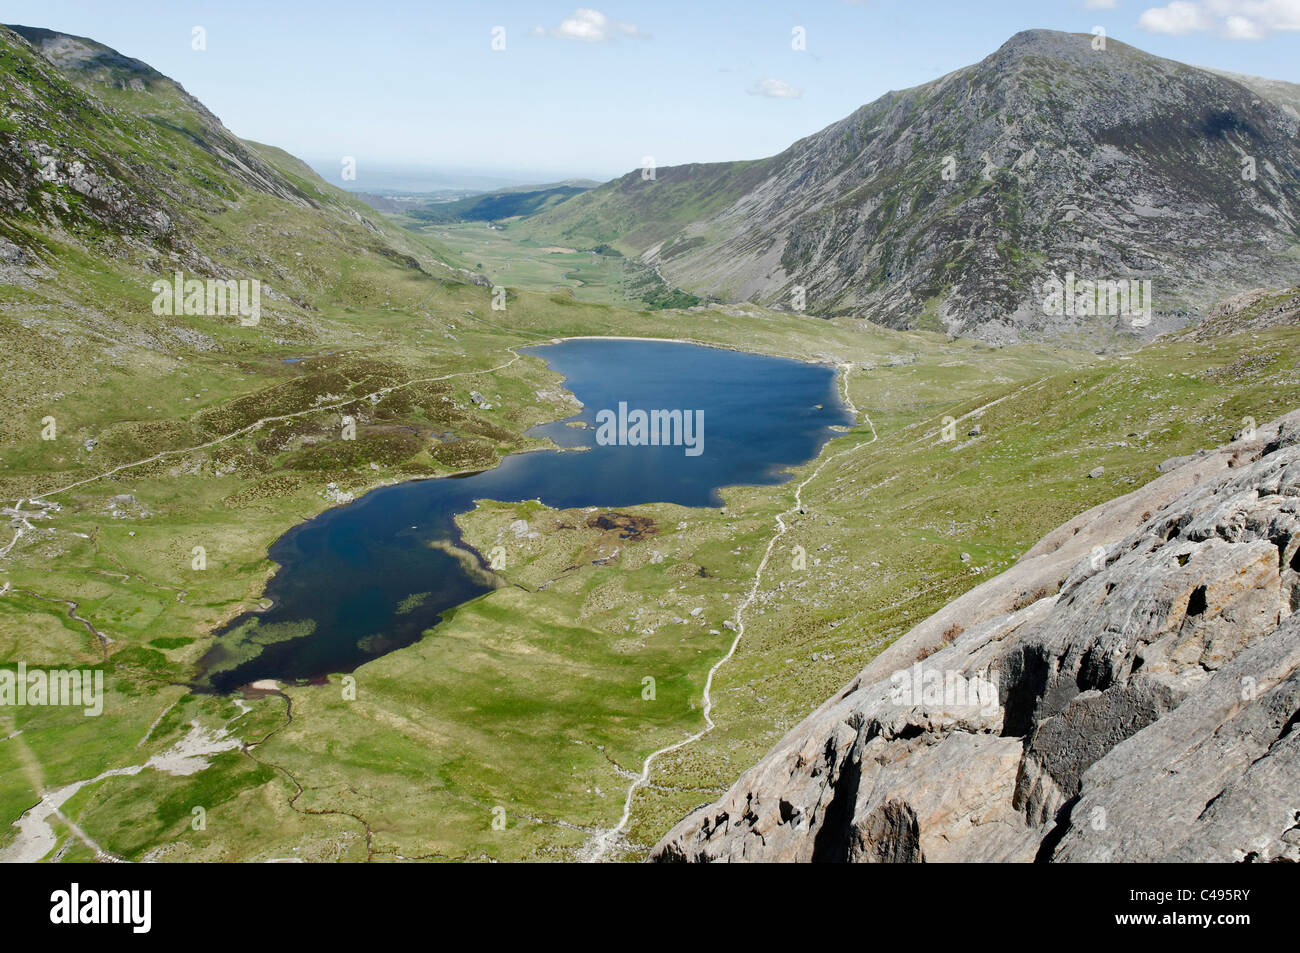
(366, 578)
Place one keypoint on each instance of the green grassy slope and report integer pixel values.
(633, 212)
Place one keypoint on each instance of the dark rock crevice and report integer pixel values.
(1148, 712)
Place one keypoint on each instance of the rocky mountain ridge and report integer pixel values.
(947, 206)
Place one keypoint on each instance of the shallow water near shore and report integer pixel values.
(363, 579)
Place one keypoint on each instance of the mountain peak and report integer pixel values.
(81, 54)
(1078, 49)
(949, 205)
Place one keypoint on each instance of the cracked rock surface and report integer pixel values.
(1147, 711)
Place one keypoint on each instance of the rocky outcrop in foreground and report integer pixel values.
(1146, 711)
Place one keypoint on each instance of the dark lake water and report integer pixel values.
(366, 578)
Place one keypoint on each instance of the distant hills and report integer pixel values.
(947, 206)
(494, 206)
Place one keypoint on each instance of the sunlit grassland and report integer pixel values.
(530, 699)
(512, 703)
(507, 259)
(884, 535)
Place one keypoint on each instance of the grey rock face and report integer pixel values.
(11, 254)
(1147, 711)
(949, 205)
(1257, 310)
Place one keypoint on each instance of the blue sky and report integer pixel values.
(589, 91)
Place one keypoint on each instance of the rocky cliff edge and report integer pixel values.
(1128, 691)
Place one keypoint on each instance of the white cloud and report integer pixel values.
(775, 89)
(1242, 28)
(1233, 19)
(1100, 4)
(1178, 18)
(590, 26)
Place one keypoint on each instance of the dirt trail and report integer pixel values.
(270, 420)
(597, 849)
(36, 835)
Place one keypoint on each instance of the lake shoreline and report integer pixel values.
(734, 391)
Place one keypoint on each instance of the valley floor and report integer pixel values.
(518, 728)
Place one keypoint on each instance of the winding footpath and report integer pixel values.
(40, 499)
(276, 419)
(598, 848)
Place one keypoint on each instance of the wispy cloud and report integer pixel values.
(1233, 19)
(775, 89)
(1101, 4)
(591, 26)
